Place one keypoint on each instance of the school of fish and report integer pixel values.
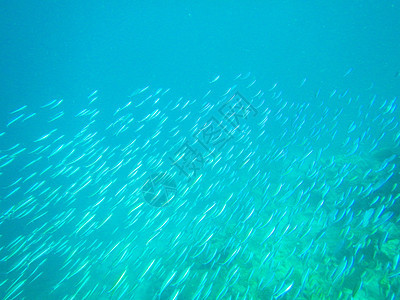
(237, 193)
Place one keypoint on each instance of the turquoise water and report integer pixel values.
(200, 151)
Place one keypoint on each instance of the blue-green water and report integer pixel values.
(199, 151)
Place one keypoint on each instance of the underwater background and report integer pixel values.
(208, 150)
